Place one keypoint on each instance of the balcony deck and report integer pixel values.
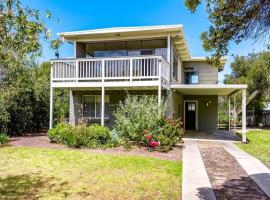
(110, 72)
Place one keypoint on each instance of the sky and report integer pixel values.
(75, 15)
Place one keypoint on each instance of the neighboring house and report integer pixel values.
(150, 60)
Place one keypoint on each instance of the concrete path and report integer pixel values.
(253, 167)
(196, 184)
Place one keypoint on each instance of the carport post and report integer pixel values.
(229, 102)
(244, 128)
(234, 112)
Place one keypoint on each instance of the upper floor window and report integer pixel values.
(175, 68)
(126, 48)
(191, 77)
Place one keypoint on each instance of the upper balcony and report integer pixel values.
(110, 72)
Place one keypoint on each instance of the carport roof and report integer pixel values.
(208, 89)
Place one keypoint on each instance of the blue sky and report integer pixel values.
(82, 15)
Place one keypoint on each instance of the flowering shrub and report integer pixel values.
(166, 136)
(171, 132)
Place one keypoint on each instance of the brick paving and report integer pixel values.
(227, 177)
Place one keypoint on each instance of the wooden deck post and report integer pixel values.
(244, 128)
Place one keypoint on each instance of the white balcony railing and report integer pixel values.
(110, 69)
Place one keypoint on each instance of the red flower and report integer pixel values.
(153, 144)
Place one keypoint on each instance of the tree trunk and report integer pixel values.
(249, 99)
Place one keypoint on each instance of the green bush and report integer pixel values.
(3, 138)
(97, 136)
(93, 136)
(170, 132)
(135, 114)
(58, 133)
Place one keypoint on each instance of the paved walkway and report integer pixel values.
(253, 167)
(196, 184)
(220, 170)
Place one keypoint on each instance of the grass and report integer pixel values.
(33, 173)
(259, 145)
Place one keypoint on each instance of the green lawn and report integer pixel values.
(259, 145)
(32, 173)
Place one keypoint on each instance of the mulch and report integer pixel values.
(227, 177)
(41, 141)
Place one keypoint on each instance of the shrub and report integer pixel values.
(170, 133)
(135, 114)
(56, 134)
(97, 136)
(75, 136)
(3, 138)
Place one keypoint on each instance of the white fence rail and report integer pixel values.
(109, 69)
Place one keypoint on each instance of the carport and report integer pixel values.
(213, 90)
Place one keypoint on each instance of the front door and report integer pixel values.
(190, 115)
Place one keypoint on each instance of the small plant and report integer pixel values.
(3, 138)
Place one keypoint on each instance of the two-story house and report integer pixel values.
(150, 60)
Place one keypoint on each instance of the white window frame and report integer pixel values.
(96, 96)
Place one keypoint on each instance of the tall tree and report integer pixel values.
(232, 20)
(20, 32)
(24, 84)
(253, 70)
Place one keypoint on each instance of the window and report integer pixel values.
(191, 106)
(92, 106)
(126, 48)
(191, 77)
(175, 68)
(147, 52)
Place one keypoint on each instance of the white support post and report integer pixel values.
(51, 107)
(169, 49)
(131, 69)
(159, 81)
(103, 70)
(229, 105)
(75, 49)
(244, 128)
(51, 98)
(234, 112)
(77, 70)
(102, 105)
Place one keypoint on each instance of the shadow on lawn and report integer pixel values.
(243, 188)
(29, 186)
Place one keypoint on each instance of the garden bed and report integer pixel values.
(42, 141)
